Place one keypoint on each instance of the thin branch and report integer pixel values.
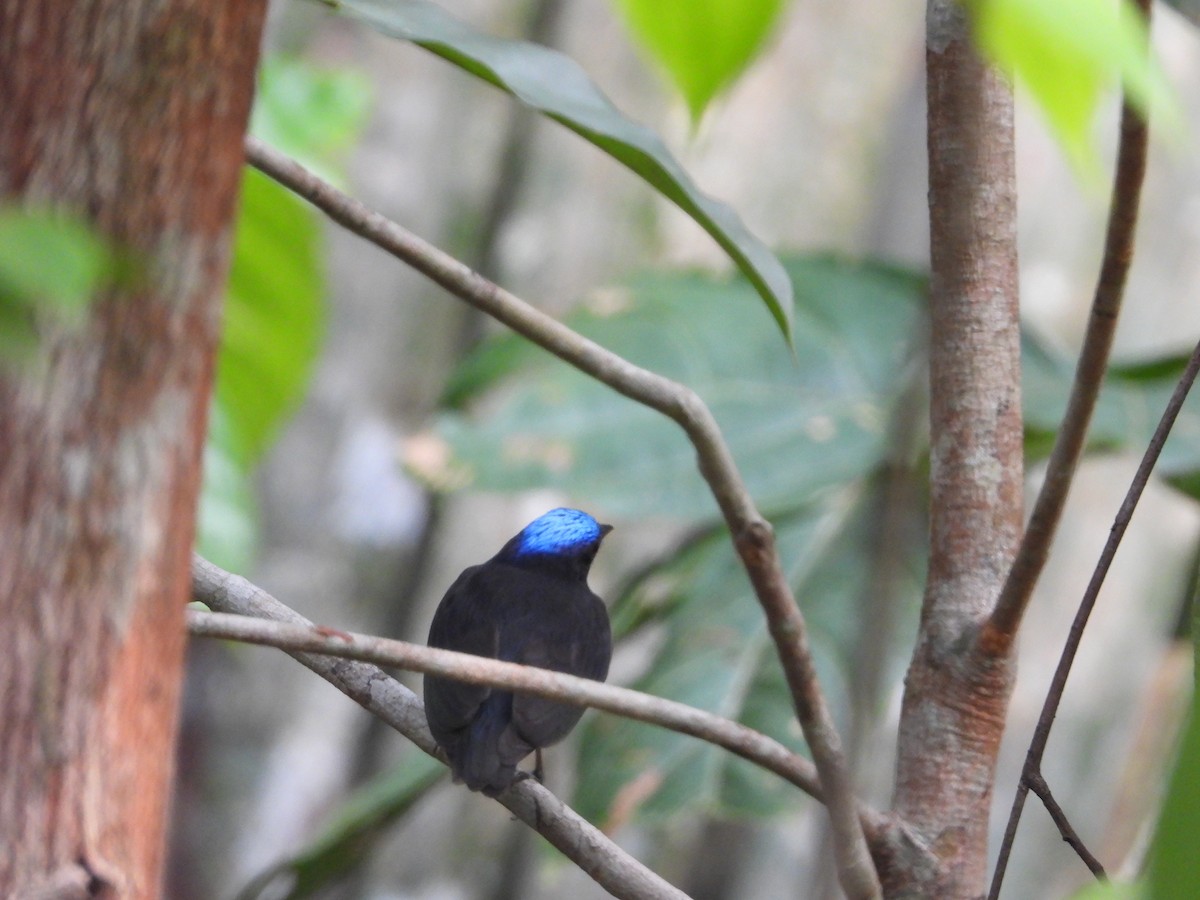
(752, 534)
(1041, 735)
(745, 742)
(1089, 378)
(1038, 785)
(381, 695)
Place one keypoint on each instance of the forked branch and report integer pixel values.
(752, 534)
(1031, 773)
(1089, 376)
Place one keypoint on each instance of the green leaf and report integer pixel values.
(273, 314)
(796, 424)
(1177, 840)
(1066, 54)
(49, 262)
(702, 44)
(357, 826)
(1130, 405)
(718, 656)
(274, 307)
(227, 523)
(556, 86)
(310, 114)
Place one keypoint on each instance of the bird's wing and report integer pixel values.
(582, 647)
(460, 624)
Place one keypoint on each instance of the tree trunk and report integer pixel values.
(130, 113)
(957, 688)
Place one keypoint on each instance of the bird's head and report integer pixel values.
(561, 534)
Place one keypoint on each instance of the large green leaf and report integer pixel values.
(1066, 54)
(797, 425)
(1128, 410)
(556, 86)
(274, 306)
(702, 44)
(718, 656)
(51, 263)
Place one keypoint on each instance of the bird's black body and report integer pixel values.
(529, 604)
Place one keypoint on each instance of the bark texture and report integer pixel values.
(130, 113)
(957, 688)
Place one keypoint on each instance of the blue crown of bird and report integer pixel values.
(528, 604)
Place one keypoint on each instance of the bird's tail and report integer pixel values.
(485, 766)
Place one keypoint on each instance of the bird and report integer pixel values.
(528, 604)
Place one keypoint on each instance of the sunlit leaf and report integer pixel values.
(556, 86)
(702, 44)
(1066, 54)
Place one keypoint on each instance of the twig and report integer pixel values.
(1038, 785)
(1089, 378)
(745, 742)
(752, 534)
(380, 694)
(1041, 735)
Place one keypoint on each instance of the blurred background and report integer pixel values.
(422, 438)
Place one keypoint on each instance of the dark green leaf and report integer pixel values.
(556, 86)
(356, 828)
(797, 425)
(1131, 403)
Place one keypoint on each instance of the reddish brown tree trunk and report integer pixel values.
(957, 688)
(130, 113)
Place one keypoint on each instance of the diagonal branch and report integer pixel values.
(1089, 377)
(1037, 748)
(381, 695)
(752, 534)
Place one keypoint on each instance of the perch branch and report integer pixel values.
(381, 695)
(1089, 377)
(752, 534)
(745, 742)
(1032, 769)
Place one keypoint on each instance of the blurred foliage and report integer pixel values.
(556, 86)
(1189, 9)
(351, 835)
(797, 424)
(1067, 54)
(275, 306)
(812, 435)
(50, 264)
(1176, 849)
(703, 45)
